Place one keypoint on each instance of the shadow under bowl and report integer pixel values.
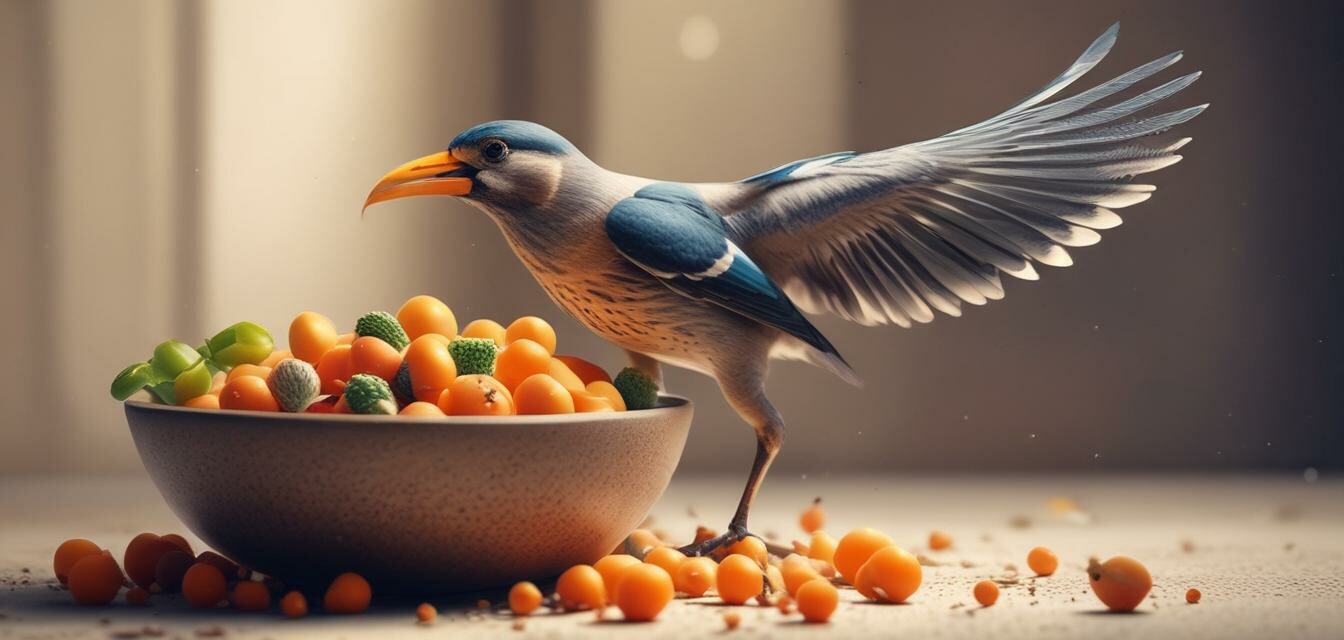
(415, 505)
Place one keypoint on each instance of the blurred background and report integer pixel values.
(169, 168)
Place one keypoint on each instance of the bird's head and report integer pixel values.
(501, 166)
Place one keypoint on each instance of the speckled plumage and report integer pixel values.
(697, 275)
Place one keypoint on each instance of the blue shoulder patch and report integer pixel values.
(783, 172)
(518, 134)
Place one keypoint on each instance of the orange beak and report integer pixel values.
(437, 174)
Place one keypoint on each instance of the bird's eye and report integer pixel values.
(495, 150)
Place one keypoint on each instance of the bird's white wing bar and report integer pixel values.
(894, 235)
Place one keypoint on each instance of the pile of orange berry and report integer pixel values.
(157, 564)
(417, 363)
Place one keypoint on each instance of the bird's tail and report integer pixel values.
(824, 356)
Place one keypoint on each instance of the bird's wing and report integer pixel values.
(669, 231)
(893, 235)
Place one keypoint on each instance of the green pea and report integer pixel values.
(173, 357)
(132, 379)
(242, 343)
(193, 382)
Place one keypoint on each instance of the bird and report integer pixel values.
(720, 278)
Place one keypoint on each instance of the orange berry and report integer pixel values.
(477, 395)
(294, 605)
(540, 394)
(483, 328)
(785, 604)
(822, 547)
(70, 552)
(226, 566)
(426, 613)
(643, 592)
(204, 586)
(813, 518)
(797, 571)
(205, 401)
(817, 600)
(581, 587)
(1042, 561)
(524, 598)
(939, 540)
(179, 542)
(891, 574)
(587, 371)
(426, 314)
(95, 579)
(171, 569)
(1121, 583)
(1192, 596)
(585, 402)
(373, 356)
(142, 557)
(731, 620)
(855, 548)
(247, 393)
(348, 593)
(668, 558)
(275, 358)
(612, 567)
(739, 579)
(248, 370)
(250, 595)
(695, 576)
(422, 410)
(534, 329)
(562, 374)
(333, 369)
(311, 334)
(608, 391)
(986, 592)
(432, 368)
(520, 359)
(346, 338)
(641, 541)
(751, 547)
(137, 596)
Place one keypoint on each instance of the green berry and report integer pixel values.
(132, 379)
(473, 356)
(381, 325)
(401, 384)
(295, 384)
(242, 343)
(637, 389)
(193, 382)
(369, 395)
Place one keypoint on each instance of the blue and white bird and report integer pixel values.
(718, 277)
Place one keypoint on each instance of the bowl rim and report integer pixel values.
(667, 404)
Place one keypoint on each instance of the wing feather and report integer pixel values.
(894, 236)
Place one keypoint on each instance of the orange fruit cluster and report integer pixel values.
(529, 377)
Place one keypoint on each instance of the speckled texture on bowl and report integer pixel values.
(414, 505)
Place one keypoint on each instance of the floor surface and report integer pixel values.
(1267, 551)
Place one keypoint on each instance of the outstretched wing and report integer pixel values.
(893, 235)
(668, 231)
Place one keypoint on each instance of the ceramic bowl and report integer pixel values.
(415, 505)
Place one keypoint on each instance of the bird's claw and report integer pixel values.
(732, 536)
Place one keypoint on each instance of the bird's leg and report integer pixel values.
(769, 436)
(648, 365)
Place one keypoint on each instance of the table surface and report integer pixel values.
(1266, 551)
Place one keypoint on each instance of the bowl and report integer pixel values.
(415, 505)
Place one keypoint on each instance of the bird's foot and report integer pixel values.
(732, 536)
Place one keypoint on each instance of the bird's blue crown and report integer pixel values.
(518, 134)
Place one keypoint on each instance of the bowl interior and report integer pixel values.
(415, 505)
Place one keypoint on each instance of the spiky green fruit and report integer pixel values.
(295, 384)
(381, 325)
(369, 395)
(637, 389)
(473, 356)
